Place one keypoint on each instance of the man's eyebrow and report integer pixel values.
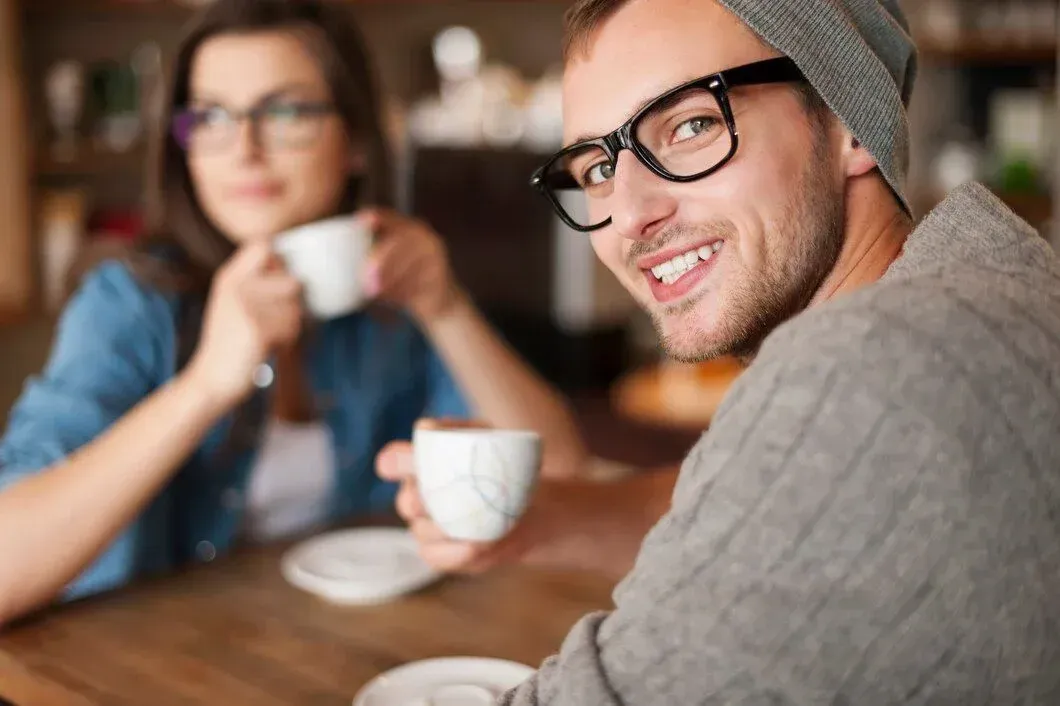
(585, 137)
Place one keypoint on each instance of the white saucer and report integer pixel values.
(447, 681)
(358, 566)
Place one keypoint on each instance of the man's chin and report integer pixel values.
(688, 342)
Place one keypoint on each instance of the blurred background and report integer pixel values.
(473, 106)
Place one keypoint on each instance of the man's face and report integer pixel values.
(771, 217)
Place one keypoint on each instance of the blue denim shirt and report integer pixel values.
(117, 342)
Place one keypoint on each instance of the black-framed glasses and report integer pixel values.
(685, 134)
(276, 124)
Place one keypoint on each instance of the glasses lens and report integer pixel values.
(686, 132)
(202, 129)
(289, 124)
(580, 179)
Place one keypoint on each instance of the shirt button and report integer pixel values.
(232, 499)
(206, 551)
(263, 376)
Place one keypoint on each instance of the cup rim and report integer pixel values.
(313, 227)
(475, 433)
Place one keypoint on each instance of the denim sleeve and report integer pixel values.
(109, 352)
(444, 396)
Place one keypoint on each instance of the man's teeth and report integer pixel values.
(672, 270)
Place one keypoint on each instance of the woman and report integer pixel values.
(145, 442)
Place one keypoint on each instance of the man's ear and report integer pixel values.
(856, 158)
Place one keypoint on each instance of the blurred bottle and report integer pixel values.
(1020, 140)
(62, 223)
(991, 24)
(1047, 21)
(64, 93)
(959, 160)
(544, 114)
(942, 21)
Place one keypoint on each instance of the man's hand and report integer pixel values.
(568, 524)
(395, 463)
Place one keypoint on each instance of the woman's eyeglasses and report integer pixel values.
(684, 135)
(276, 124)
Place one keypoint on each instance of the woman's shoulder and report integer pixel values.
(113, 279)
(112, 291)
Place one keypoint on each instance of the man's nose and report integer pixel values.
(641, 202)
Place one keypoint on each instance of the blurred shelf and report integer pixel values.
(973, 50)
(91, 163)
(53, 9)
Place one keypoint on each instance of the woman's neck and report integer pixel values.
(292, 399)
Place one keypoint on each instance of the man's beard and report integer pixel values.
(812, 221)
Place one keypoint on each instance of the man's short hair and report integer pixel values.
(583, 19)
(581, 22)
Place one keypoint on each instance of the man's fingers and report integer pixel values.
(452, 557)
(409, 503)
(394, 463)
(426, 532)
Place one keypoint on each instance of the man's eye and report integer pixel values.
(598, 174)
(693, 128)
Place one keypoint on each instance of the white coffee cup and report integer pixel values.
(328, 257)
(476, 483)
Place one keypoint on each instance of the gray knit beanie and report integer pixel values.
(860, 58)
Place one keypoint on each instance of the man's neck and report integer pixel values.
(875, 231)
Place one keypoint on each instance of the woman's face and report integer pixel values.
(256, 178)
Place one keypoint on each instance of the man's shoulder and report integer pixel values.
(959, 345)
(950, 309)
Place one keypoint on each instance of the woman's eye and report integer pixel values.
(693, 128)
(211, 116)
(284, 113)
(598, 174)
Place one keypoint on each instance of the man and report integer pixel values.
(873, 516)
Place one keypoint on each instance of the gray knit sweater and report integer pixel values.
(874, 517)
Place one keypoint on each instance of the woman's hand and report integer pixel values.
(409, 265)
(254, 307)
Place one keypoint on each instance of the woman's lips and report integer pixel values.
(255, 192)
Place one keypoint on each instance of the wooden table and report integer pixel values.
(234, 633)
